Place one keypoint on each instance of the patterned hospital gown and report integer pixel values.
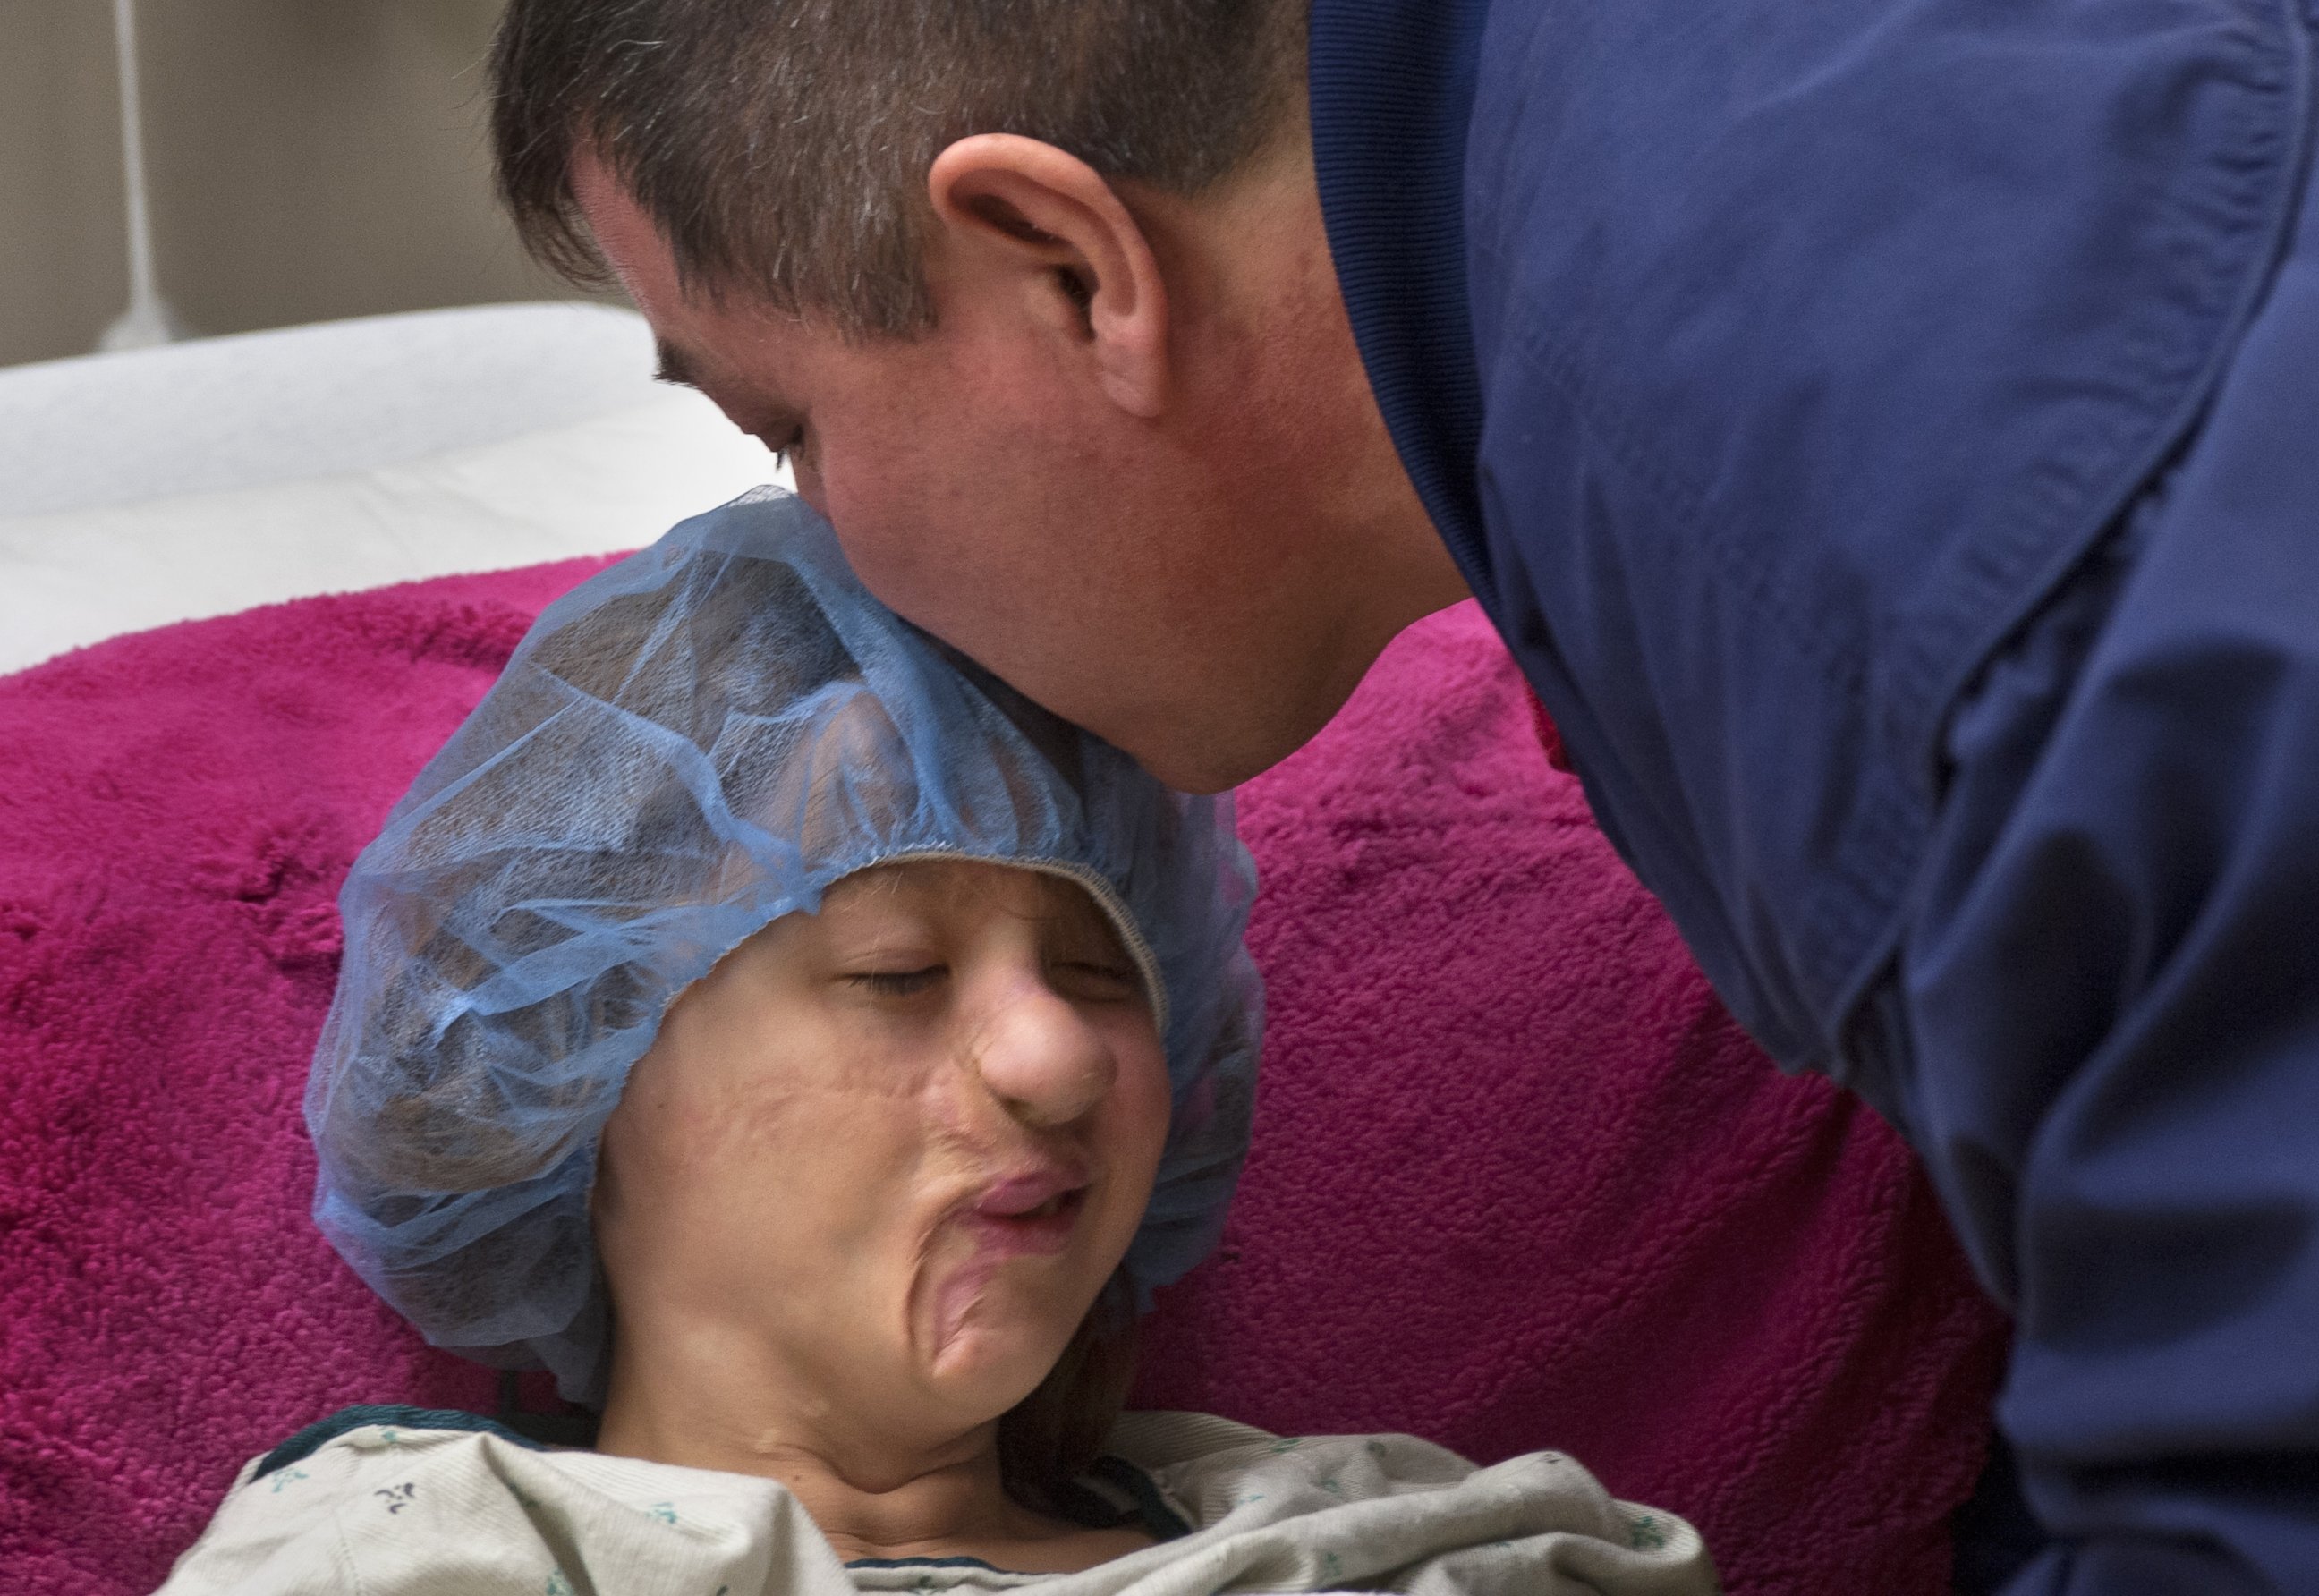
(419, 1508)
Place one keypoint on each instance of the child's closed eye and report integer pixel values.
(898, 983)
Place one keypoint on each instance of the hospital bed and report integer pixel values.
(201, 478)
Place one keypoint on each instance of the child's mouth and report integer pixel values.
(1032, 1213)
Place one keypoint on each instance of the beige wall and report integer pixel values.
(311, 159)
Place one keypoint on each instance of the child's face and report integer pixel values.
(892, 1149)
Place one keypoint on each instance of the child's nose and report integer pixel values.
(1038, 1056)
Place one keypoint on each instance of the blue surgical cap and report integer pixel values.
(692, 743)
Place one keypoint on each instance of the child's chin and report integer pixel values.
(988, 1368)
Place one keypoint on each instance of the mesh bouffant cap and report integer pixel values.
(694, 742)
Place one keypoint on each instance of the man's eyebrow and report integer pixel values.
(672, 366)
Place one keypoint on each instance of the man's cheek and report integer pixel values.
(890, 562)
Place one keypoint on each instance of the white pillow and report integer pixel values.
(612, 482)
(297, 401)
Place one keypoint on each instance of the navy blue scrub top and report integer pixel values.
(1887, 434)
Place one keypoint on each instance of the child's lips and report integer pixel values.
(1030, 1190)
(1033, 1214)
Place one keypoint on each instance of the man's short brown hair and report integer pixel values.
(782, 146)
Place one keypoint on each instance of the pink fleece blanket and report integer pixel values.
(1518, 1181)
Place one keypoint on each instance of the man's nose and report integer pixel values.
(1037, 1055)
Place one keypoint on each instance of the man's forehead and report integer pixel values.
(710, 341)
(756, 381)
(622, 229)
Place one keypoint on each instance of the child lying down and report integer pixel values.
(812, 1052)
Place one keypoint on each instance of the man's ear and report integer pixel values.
(1019, 213)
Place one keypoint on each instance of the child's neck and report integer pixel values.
(872, 1497)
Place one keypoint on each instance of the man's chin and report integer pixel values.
(1218, 758)
(1196, 767)
(1196, 775)
(1186, 746)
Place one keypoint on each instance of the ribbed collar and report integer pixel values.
(1393, 91)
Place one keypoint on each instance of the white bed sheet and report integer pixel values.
(171, 484)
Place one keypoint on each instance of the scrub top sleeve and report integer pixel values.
(2106, 1014)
